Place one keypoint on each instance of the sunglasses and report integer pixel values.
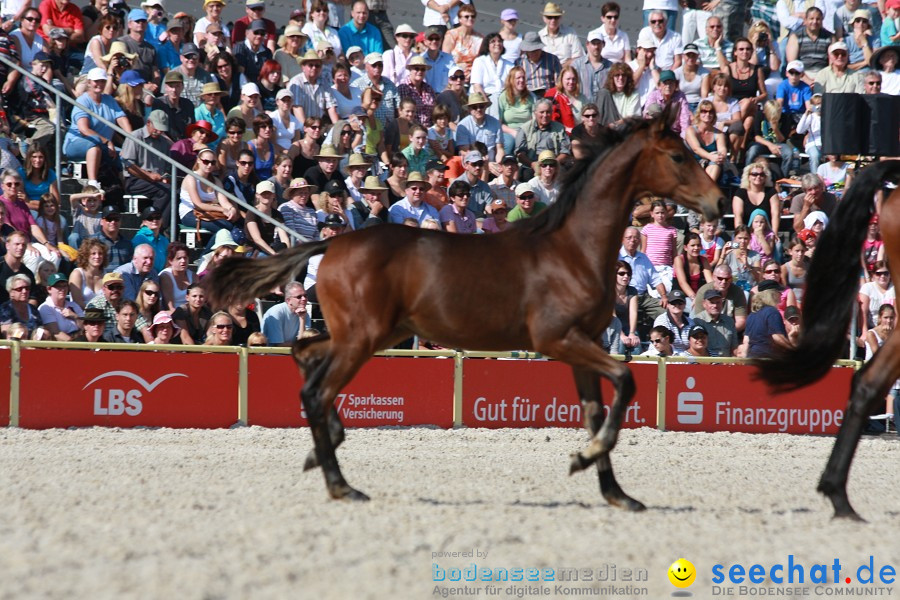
(236, 132)
(793, 72)
(115, 287)
(190, 56)
(623, 273)
(457, 77)
(417, 188)
(206, 161)
(31, 19)
(882, 273)
(771, 271)
(657, 22)
(152, 292)
(224, 326)
(112, 219)
(21, 288)
(723, 278)
(611, 17)
(589, 116)
(552, 18)
(878, 83)
(12, 184)
(346, 132)
(757, 174)
(527, 197)
(656, 341)
(477, 163)
(245, 163)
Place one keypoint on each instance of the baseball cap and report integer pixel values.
(791, 313)
(595, 34)
(94, 315)
(248, 89)
(547, 157)
(189, 48)
(676, 296)
(173, 76)
(691, 49)
(138, 14)
(472, 156)
(373, 58)
(150, 213)
(509, 158)
(837, 46)
(132, 78)
(110, 211)
(159, 119)
(498, 204)
(353, 50)
(697, 330)
(794, 65)
(58, 33)
(112, 277)
(435, 165)
(257, 24)
(97, 74)
(509, 14)
(56, 278)
(284, 93)
(667, 75)
(712, 293)
(333, 187)
(42, 56)
(524, 188)
(265, 186)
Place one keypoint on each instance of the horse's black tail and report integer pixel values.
(831, 287)
(241, 279)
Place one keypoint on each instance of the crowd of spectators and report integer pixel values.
(340, 120)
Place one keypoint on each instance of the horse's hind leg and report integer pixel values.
(588, 385)
(870, 385)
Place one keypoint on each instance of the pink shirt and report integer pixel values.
(659, 243)
(18, 215)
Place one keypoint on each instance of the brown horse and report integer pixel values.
(831, 292)
(543, 285)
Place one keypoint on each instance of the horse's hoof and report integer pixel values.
(578, 463)
(353, 495)
(626, 503)
(311, 461)
(848, 514)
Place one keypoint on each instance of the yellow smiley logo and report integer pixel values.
(682, 573)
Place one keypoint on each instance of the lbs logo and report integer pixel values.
(116, 401)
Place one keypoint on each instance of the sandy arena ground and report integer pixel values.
(108, 513)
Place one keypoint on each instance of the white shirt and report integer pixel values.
(285, 135)
(10, 8)
(352, 190)
(203, 23)
(614, 46)
(661, 5)
(346, 105)
(27, 52)
(330, 35)
(890, 83)
(666, 48)
(395, 65)
(565, 44)
(646, 84)
(489, 75)
(433, 17)
(542, 193)
(51, 314)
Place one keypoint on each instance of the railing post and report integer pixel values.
(173, 205)
(661, 393)
(15, 367)
(458, 389)
(57, 151)
(243, 385)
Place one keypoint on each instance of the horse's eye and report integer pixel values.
(679, 158)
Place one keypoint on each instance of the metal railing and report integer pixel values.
(175, 166)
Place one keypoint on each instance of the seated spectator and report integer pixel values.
(619, 99)
(454, 95)
(560, 40)
(616, 45)
(667, 94)
(481, 195)
(875, 293)
(527, 205)
(150, 234)
(197, 136)
(691, 269)
(675, 319)
(568, 101)
(765, 327)
(545, 184)
(793, 273)
(87, 138)
(771, 273)
(347, 99)
(541, 67)
(661, 343)
(396, 181)
(498, 221)
(810, 45)
(698, 341)
(413, 205)
(27, 38)
(220, 330)
(668, 42)
(720, 328)
(201, 206)
(285, 322)
(793, 95)
(644, 277)
(729, 118)
(756, 192)
(193, 317)
(441, 62)
(12, 263)
(223, 248)
(515, 107)
(396, 133)
(110, 299)
(147, 174)
(417, 153)
(644, 67)
(210, 111)
(715, 48)
(706, 142)
(168, 54)
(539, 134)
(86, 280)
(418, 90)
(890, 29)
(879, 334)
(762, 239)
(504, 186)
(262, 146)
(124, 331)
(269, 84)
(357, 167)
(463, 42)
(748, 82)
(884, 64)
(38, 178)
(252, 55)
(86, 214)
(456, 216)
(592, 68)
(626, 307)
(163, 330)
(35, 104)
(861, 40)
(58, 315)
(390, 96)
(119, 248)
(834, 172)
(53, 224)
(371, 209)
(480, 127)
(17, 309)
(94, 325)
(837, 77)
(587, 132)
(735, 301)
(179, 110)
(130, 96)
(149, 303)
(298, 213)
(290, 51)
(245, 322)
(490, 70)
(659, 240)
(743, 262)
(358, 32)
(177, 278)
(812, 196)
(326, 170)
(67, 17)
(263, 238)
(692, 77)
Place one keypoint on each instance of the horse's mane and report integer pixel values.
(595, 152)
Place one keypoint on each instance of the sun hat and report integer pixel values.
(353, 50)
(646, 40)
(118, 47)
(163, 318)
(294, 30)
(531, 41)
(372, 184)
(211, 88)
(223, 238)
(112, 277)
(323, 45)
(477, 99)
(547, 157)
(309, 56)
(418, 61)
(417, 178)
(358, 160)
(297, 184)
(93, 315)
(205, 126)
(552, 9)
(328, 151)
(404, 28)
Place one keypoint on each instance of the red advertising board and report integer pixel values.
(83, 388)
(727, 398)
(541, 393)
(5, 378)
(386, 391)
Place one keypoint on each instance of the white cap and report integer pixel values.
(524, 188)
(284, 93)
(404, 28)
(249, 89)
(353, 50)
(97, 74)
(595, 34)
(794, 65)
(265, 186)
(154, 3)
(646, 40)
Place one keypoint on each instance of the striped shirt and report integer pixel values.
(390, 100)
(425, 101)
(314, 98)
(542, 74)
(659, 243)
(301, 219)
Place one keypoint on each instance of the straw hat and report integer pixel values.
(477, 99)
(118, 48)
(358, 160)
(211, 88)
(298, 184)
(372, 184)
(310, 55)
(418, 61)
(416, 177)
(328, 151)
(294, 30)
(552, 9)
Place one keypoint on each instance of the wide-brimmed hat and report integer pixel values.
(211, 88)
(531, 41)
(358, 160)
(418, 61)
(404, 28)
(118, 47)
(876, 56)
(328, 151)
(205, 126)
(163, 318)
(372, 184)
(552, 9)
(547, 157)
(94, 315)
(298, 184)
(477, 99)
(418, 178)
(309, 56)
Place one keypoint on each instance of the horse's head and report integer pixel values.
(669, 169)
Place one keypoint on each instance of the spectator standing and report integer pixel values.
(179, 110)
(439, 60)
(397, 58)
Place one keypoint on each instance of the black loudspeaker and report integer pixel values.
(861, 124)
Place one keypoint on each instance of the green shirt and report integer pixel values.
(518, 115)
(517, 213)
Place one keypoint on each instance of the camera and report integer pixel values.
(123, 62)
(763, 37)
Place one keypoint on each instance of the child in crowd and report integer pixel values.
(793, 95)
(440, 136)
(658, 241)
(86, 221)
(711, 244)
(833, 172)
(873, 248)
(811, 124)
(890, 27)
(762, 239)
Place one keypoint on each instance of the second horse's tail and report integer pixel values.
(832, 287)
(241, 279)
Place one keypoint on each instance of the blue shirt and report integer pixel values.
(217, 119)
(439, 73)
(404, 210)
(108, 108)
(369, 38)
(280, 324)
(34, 191)
(643, 274)
(159, 243)
(794, 98)
(759, 329)
(152, 33)
(167, 57)
(488, 133)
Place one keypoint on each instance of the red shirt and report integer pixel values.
(69, 17)
(18, 215)
(239, 30)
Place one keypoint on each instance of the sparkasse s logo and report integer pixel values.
(117, 401)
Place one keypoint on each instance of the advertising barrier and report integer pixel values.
(541, 393)
(83, 388)
(5, 384)
(387, 391)
(727, 398)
